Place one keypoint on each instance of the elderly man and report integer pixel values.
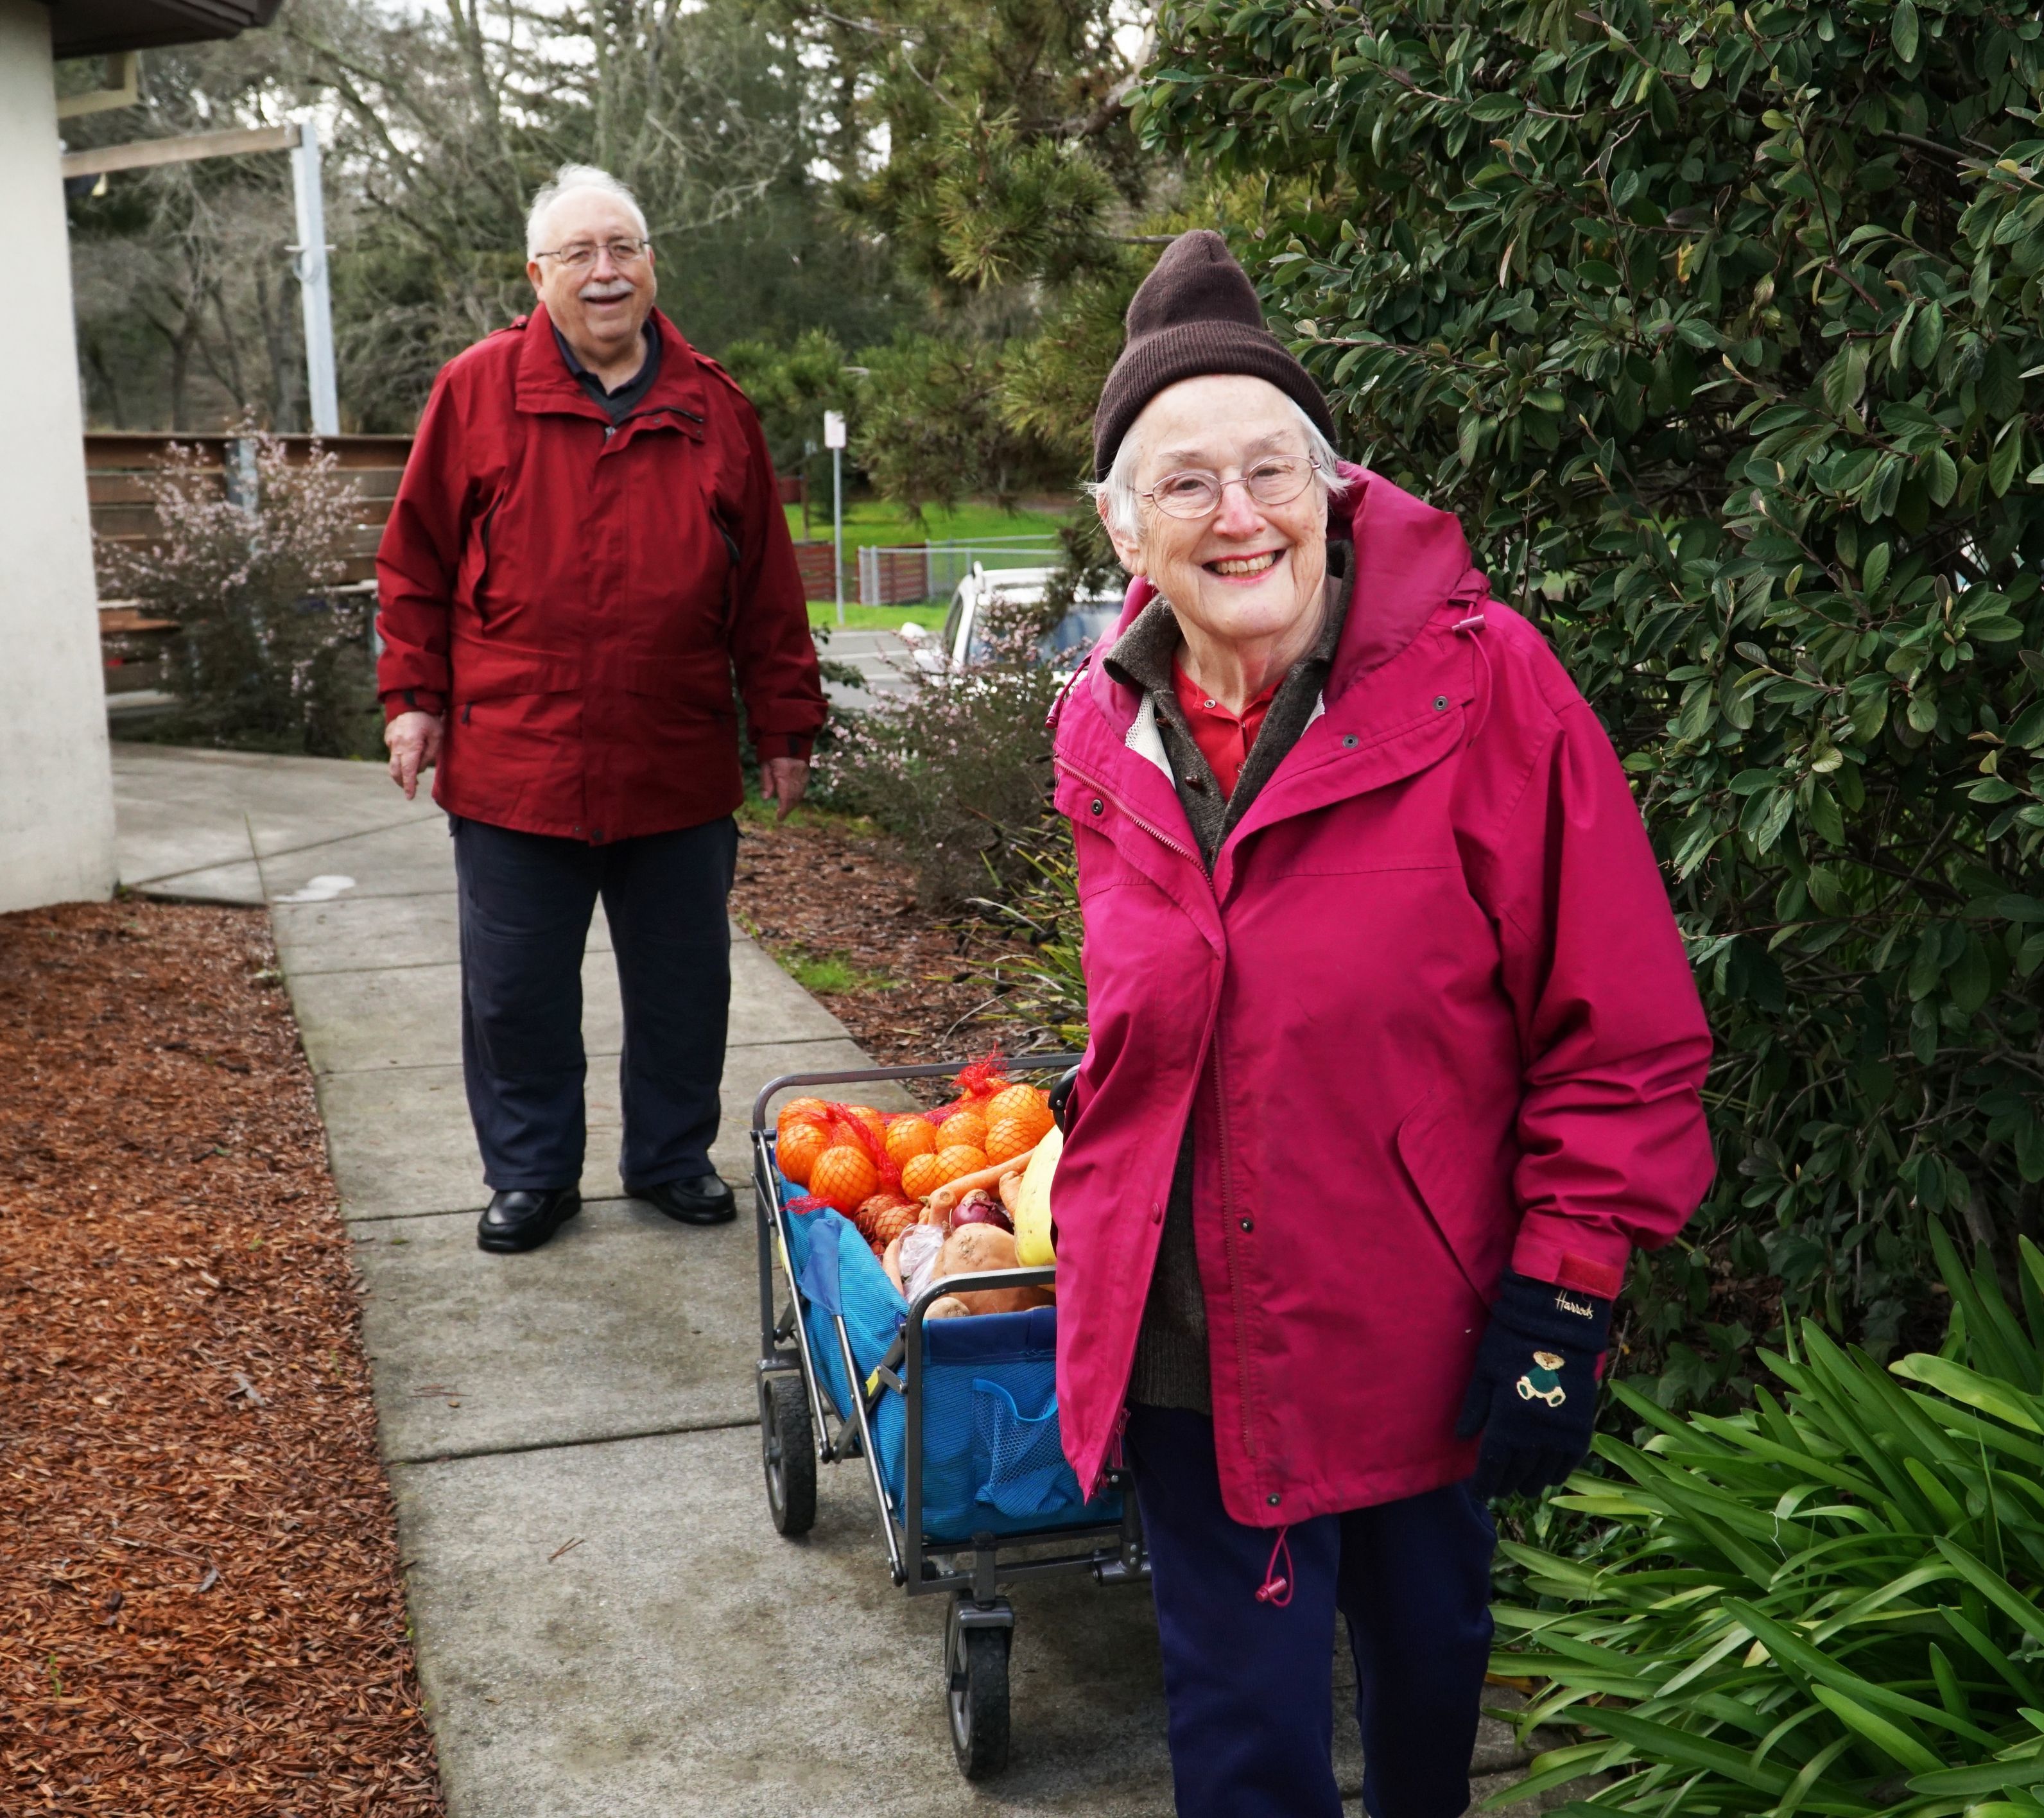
(587, 542)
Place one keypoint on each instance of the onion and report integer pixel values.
(980, 1207)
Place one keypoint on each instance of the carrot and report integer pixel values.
(944, 1198)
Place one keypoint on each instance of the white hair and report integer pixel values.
(567, 180)
(1124, 503)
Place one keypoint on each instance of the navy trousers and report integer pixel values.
(525, 901)
(1250, 1684)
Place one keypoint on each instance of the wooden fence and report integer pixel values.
(118, 465)
(118, 462)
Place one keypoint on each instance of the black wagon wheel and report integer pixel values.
(788, 1449)
(976, 1670)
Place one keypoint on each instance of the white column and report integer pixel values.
(56, 789)
(313, 290)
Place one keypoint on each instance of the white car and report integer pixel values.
(961, 642)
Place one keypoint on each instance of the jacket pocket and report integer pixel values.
(485, 669)
(687, 687)
(1453, 1166)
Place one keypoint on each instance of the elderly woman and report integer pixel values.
(1395, 1055)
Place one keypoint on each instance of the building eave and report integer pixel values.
(97, 27)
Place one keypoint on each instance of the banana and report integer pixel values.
(1032, 1205)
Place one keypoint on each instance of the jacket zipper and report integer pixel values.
(1228, 1247)
(1227, 1192)
(489, 518)
(1150, 827)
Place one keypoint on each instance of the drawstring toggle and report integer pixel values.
(1276, 1589)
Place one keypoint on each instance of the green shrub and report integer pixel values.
(959, 767)
(1045, 990)
(1720, 329)
(1828, 1603)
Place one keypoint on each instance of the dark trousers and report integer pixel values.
(526, 899)
(1250, 1684)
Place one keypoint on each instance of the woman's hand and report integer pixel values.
(1534, 1395)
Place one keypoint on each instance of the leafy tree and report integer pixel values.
(791, 388)
(441, 124)
(452, 121)
(985, 149)
(187, 307)
(1720, 329)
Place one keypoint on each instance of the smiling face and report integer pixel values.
(599, 308)
(1249, 573)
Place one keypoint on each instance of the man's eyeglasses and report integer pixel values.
(1274, 479)
(580, 255)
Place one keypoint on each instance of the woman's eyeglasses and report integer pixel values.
(1274, 479)
(581, 255)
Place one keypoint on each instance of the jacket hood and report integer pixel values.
(1411, 559)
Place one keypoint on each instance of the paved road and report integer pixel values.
(879, 656)
(678, 1660)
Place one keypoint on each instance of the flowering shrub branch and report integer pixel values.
(264, 650)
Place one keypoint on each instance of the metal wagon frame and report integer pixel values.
(799, 1430)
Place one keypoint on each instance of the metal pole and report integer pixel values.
(837, 525)
(313, 290)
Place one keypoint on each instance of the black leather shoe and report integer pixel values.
(705, 1200)
(519, 1219)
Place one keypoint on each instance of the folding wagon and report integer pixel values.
(956, 1420)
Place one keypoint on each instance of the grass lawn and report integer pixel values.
(876, 618)
(868, 521)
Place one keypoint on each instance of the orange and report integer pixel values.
(965, 1126)
(909, 1137)
(801, 1111)
(871, 1119)
(1024, 1101)
(921, 1176)
(797, 1150)
(1007, 1137)
(956, 1158)
(842, 1176)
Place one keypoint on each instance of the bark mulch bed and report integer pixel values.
(836, 904)
(198, 1570)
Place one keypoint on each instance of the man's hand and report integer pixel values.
(781, 780)
(414, 742)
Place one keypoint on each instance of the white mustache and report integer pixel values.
(605, 289)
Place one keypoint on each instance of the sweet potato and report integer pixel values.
(971, 1250)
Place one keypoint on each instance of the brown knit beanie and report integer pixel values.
(1196, 313)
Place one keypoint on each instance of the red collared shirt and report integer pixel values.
(1224, 737)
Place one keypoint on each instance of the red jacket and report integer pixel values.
(575, 597)
(1430, 1016)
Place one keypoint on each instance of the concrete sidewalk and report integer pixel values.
(607, 1624)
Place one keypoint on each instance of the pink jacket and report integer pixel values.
(1431, 1015)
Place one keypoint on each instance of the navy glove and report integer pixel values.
(1534, 1393)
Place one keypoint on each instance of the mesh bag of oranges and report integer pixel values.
(878, 1168)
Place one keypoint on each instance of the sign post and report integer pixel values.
(834, 440)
